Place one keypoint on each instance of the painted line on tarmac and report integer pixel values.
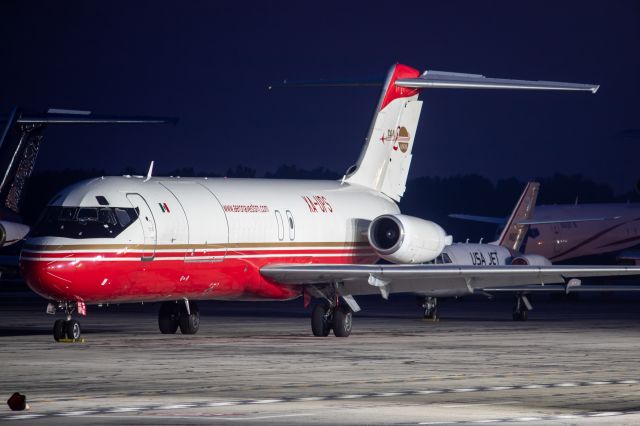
(227, 389)
(335, 397)
(539, 419)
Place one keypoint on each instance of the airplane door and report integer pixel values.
(206, 220)
(148, 223)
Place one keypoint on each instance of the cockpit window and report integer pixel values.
(123, 217)
(84, 222)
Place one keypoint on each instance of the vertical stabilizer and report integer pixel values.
(386, 156)
(384, 162)
(514, 232)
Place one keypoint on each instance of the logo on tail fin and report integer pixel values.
(400, 137)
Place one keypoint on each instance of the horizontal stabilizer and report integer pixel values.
(367, 82)
(482, 219)
(73, 118)
(453, 80)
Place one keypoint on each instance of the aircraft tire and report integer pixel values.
(190, 323)
(168, 317)
(431, 314)
(521, 315)
(319, 324)
(342, 321)
(59, 331)
(72, 329)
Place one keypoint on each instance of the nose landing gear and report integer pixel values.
(68, 328)
(521, 308)
(430, 307)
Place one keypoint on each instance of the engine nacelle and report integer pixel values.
(531, 260)
(400, 238)
(12, 232)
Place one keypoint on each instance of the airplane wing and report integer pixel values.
(566, 220)
(444, 280)
(502, 221)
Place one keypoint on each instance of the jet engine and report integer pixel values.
(400, 238)
(531, 260)
(12, 232)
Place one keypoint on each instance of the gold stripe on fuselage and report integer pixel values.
(96, 247)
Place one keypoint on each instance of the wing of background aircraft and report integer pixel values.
(443, 280)
(502, 221)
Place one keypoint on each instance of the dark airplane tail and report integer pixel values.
(516, 228)
(19, 146)
(20, 142)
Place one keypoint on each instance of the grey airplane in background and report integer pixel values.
(568, 231)
(548, 237)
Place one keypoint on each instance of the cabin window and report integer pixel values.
(84, 222)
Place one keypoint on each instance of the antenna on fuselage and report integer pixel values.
(150, 172)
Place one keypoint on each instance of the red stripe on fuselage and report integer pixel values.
(74, 277)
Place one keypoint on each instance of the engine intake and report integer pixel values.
(12, 232)
(531, 260)
(406, 239)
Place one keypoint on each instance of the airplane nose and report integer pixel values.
(50, 279)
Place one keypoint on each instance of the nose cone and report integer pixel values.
(46, 275)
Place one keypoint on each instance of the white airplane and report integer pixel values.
(502, 252)
(176, 241)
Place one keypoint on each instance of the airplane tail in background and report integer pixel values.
(514, 231)
(20, 137)
(386, 156)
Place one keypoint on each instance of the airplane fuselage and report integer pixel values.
(194, 238)
(475, 254)
(568, 240)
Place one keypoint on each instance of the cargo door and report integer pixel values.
(148, 223)
(206, 221)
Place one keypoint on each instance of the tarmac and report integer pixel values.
(573, 362)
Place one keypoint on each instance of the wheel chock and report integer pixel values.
(80, 340)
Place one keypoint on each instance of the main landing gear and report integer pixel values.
(326, 317)
(521, 308)
(67, 328)
(174, 315)
(430, 306)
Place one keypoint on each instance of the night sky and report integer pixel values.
(209, 63)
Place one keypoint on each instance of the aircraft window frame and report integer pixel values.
(79, 223)
(292, 225)
(102, 200)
